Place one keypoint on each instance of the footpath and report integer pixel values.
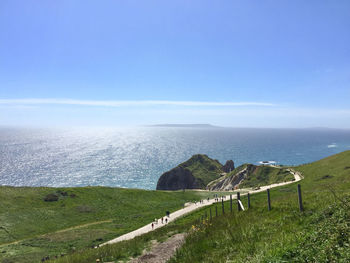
(192, 207)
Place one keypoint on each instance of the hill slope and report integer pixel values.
(31, 228)
(319, 234)
(250, 175)
(195, 173)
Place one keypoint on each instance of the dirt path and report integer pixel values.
(161, 252)
(190, 208)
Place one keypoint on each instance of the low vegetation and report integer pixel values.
(319, 234)
(265, 175)
(203, 168)
(40, 222)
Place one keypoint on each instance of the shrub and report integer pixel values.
(51, 198)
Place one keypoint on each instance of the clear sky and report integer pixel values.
(230, 63)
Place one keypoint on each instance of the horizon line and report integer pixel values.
(125, 103)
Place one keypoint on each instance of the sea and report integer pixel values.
(137, 157)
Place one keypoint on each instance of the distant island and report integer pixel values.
(185, 125)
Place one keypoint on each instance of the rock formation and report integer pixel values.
(195, 173)
(250, 175)
(228, 167)
(176, 179)
(228, 183)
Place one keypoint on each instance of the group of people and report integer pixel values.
(156, 221)
(201, 201)
(216, 199)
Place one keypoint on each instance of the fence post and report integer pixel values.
(216, 210)
(248, 200)
(222, 204)
(301, 208)
(238, 198)
(231, 203)
(210, 214)
(268, 200)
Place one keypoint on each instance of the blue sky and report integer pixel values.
(229, 63)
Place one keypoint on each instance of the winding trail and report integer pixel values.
(192, 207)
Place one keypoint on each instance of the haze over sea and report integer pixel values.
(136, 157)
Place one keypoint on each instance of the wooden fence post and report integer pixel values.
(268, 200)
(301, 208)
(210, 214)
(222, 204)
(238, 198)
(231, 203)
(248, 200)
(216, 210)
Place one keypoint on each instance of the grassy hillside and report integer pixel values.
(203, 168)
(31, 228)
(319, 234)
(265, 175)
(256, 176)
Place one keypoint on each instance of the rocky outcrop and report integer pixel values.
(196, 173)
(228, 167)
(176, 179)
(229, 183)
(250, 176)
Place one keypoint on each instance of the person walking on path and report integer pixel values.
(152, 226)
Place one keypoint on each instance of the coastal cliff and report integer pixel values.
(250, 175)
(195, 173)
(178, 178)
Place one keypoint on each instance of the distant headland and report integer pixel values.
(179, 125)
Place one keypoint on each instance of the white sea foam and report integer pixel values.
(333, 145)
(268, 162)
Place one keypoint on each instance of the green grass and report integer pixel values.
(31, 228)
(319, 234)
(203, 168)
(284, 234)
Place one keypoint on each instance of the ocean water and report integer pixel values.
(136, 157)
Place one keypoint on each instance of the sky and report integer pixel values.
(280, 64)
